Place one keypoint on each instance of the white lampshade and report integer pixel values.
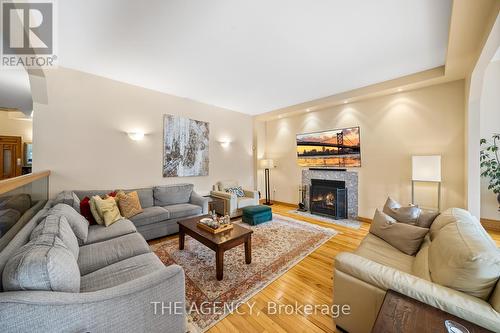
(266, 164)
(426, 168)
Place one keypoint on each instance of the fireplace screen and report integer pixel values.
(328, 197)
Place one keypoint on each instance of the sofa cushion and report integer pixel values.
(8, 217)
(238, 190)
(91, 193)
(450, 215)
(378, 250)
(420, 266)
(145, 196)
(495, 298)
(224, 184)
(405, 237)
(121, 272)
(409, 214)
(78, 223)
(20, 202)
(108, 209)
(98, 255)
(57, 225)
(129, 203)
(462, 255)
(246, 202)
(99, 233)
(85, 210)
(44, 263)
(68, 198)
(172, 194)
(182, 210)
(150, 215)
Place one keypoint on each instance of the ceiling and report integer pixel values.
(253, 56)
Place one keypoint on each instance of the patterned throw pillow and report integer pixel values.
(108, 209)
(129, 203)
(238, 190)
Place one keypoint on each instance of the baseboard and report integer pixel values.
(280, 203)
(364, 219)
(491, 225)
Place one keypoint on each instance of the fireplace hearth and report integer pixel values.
(328, 197)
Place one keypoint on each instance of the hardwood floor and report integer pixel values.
(309, 282)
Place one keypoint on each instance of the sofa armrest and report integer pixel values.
(223, 195)
(127, 307)
(449, 300)
(198, 200)
(251, 194)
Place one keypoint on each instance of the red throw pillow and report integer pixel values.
(85, 210)
(112, 194)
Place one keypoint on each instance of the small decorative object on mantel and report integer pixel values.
(490, 164)
(215, 224)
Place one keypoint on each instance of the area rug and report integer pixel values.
(277, 246)
(354, 224)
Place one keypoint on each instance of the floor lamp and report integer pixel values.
(267, 164)
(426, 169)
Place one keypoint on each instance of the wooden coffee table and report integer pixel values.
(218, 242)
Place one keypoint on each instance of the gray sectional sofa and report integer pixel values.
(163, 207)
(56, 278)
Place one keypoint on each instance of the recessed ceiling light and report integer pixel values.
(400, 89)
(345, 102)
(308, 110)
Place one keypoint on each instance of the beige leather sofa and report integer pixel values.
(456, 270)
(234, 203)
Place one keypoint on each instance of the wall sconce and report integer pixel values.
(225, 143)
(136, 136)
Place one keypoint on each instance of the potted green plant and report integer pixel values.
(490, 164)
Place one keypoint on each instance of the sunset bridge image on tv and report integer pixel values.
(330, 148)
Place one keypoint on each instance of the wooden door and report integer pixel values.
(10, 156)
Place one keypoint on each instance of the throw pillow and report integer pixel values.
(411, 214)
(129, 203)
(78, 223)
(404, 237)
(85, 210)
(93, 209)
(108, 209)
(407, 214)
(59, 226)
(8, 217)
(238, 190)
(20, 202)
(69, 198)
(44, 263)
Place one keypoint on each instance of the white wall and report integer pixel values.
(490, 123)
(473, 110)
(393, 128)
(81, 135)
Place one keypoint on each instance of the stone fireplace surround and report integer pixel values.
(351, 183)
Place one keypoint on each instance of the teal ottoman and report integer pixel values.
(254, 215)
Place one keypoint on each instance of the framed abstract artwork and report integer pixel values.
(185, 147)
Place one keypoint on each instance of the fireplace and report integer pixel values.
(328, 197)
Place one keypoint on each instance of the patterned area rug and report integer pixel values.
(345, 222)
(277, 246)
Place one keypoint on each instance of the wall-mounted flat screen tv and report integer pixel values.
(334, 148)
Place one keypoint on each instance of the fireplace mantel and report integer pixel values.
(351, 181)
